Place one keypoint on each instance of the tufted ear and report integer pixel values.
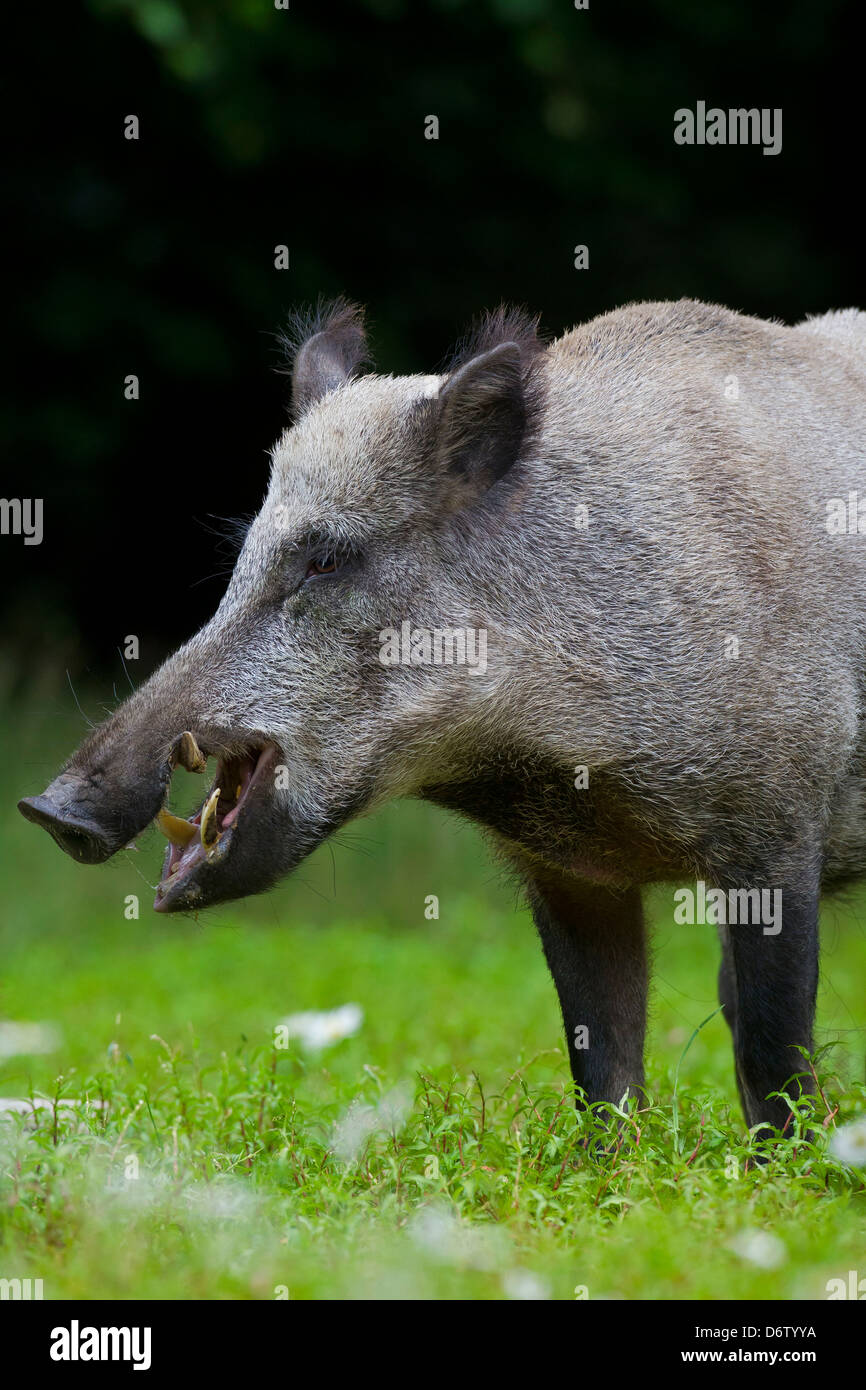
(328, 347)
(483, 416)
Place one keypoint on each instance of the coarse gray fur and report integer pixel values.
(636, 514)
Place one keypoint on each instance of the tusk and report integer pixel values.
(180, 832)
(188, 753)
(209, 828)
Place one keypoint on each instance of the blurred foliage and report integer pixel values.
(305, 126)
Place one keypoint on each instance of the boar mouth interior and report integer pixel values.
(207, 834)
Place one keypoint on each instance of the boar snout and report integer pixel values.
(88, 817)
(94, 809)
(59, 811)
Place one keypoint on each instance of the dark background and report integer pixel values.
(306, 127)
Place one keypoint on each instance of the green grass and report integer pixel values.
(477, 1182)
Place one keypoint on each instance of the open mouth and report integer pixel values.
(205, 839)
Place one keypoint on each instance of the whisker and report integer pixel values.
(126, 672)
(75, 698)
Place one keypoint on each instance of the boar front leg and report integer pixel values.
(593, 940)
(768, 983)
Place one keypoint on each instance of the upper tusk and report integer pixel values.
(180, 832)
(188, 753)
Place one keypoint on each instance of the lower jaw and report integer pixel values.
(249, 869)
(181, 889)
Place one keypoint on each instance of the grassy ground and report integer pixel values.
(435, 1152)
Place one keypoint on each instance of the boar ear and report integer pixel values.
(491, 402)
(327, 347)
(483, 416)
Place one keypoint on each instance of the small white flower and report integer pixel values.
(759, 1248)
(223, 1200)
(361, 1120)
(849, 1144)
(318, 1030)
(27, 1039)
(442, 1234)
(30, 1109)
(523, 1285)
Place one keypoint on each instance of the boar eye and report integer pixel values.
(329, 564)
(328, 559)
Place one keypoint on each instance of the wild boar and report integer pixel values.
(657, 523)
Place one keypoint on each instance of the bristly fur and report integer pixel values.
(511, 324)
(343, 322)
(613, 523)
(506, 324)
(230, 533)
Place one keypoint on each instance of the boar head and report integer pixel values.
(388, 502)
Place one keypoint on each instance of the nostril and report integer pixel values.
(83, 840)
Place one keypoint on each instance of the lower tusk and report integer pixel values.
(209, 827)
(180, 832)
